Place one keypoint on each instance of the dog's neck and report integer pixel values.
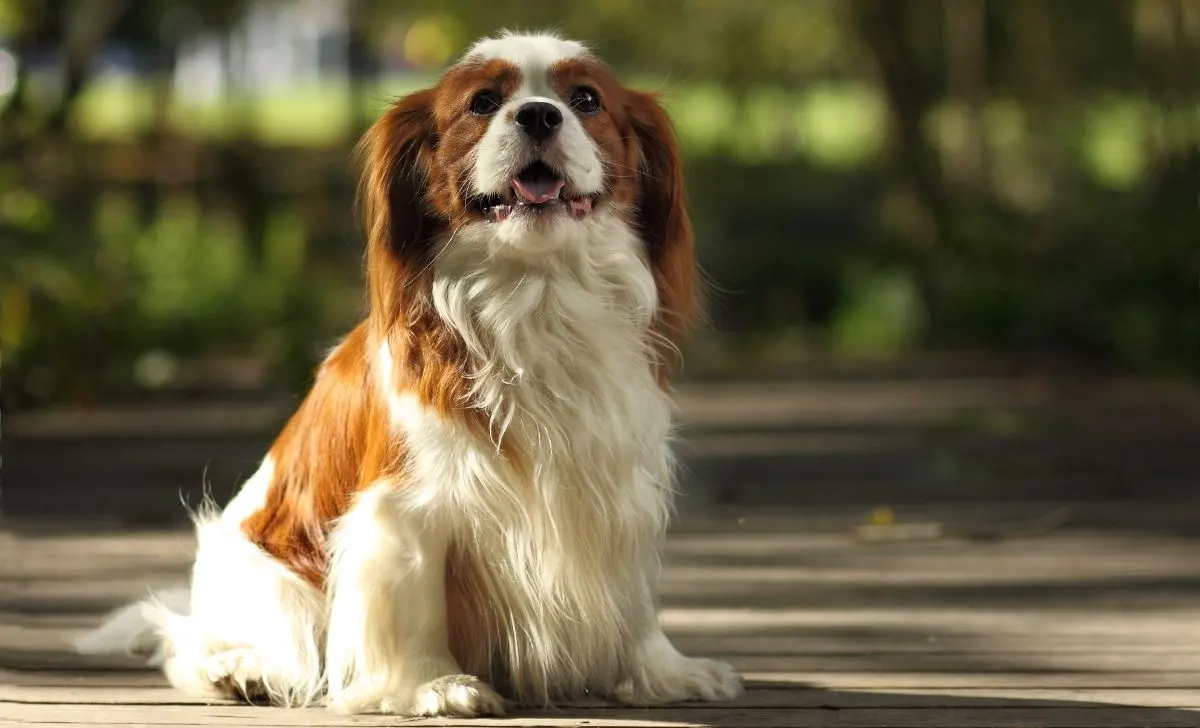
(555, 318)
(559, 343)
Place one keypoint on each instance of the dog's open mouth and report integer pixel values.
(536, 190)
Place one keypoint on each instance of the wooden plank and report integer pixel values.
(957, 717)
(138, 677)
(966, 679)
(1090, 663)
(945, 643)
(54, 632)
(984, 621)
(756, 697)
(1037, 663)
(1086, 628)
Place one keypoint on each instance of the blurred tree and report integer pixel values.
(1027, 167)
(967, 84)
(48, 188)
(722, 41)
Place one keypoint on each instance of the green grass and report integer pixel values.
(315, 114)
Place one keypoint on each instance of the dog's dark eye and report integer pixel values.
(585, 101)
(485, 102)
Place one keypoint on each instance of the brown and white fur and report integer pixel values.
(472, 498)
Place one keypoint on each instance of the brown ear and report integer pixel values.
(662, 216)
(399, 225)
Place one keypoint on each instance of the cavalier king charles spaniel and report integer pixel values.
(471, 500)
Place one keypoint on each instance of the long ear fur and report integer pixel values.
(663, 217)
(399, 226)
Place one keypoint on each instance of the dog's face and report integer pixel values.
(525, 140)
(532, 127)
(533, 137)
(528, 145)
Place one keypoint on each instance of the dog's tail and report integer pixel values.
(138, 628)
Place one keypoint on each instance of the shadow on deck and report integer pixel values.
(819, 443)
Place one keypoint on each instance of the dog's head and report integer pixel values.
(525, 142)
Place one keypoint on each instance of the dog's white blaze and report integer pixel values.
(530, 52)
(502, 152)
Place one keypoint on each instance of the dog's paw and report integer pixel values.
(458, 696)
(680, 679)
(452, 695)
(240, 665)
(235, 674)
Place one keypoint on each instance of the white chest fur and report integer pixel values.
(564, 371)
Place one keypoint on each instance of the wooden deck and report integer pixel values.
(1066, 621)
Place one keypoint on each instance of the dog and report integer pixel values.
(471, 500)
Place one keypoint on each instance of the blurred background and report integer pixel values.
(955, 245)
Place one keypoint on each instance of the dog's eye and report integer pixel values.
(485, 102)
(585, 101)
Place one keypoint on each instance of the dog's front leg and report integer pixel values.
(658, 673)
(387, 647)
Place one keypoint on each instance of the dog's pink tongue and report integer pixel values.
(537, 191)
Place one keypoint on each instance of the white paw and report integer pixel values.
(678, 680)
(357, 699)
(459, 696)
(240, 665)
(236, 672)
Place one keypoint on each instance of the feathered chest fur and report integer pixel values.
(563, 368)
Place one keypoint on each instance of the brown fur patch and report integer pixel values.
(337, 442)
(468, 610)
(662, 215)
(459, 131)
(609, 127)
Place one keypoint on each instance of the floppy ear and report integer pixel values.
(399, 226)
(662, 216)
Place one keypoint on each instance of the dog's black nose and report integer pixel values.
(539, 120)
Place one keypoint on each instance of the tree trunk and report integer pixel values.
(966, 71)
(881, 26)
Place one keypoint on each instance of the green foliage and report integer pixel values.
(864, 182)
(179, 285)
(881, 316)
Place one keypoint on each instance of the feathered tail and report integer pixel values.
(138, 628)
